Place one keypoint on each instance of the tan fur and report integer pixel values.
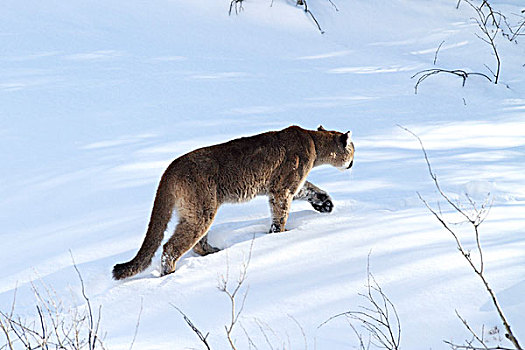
(274, 163)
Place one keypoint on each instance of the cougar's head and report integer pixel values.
(337, 148)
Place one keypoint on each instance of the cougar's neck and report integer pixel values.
(323, 147)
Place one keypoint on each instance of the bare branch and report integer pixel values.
(437, 51)
(137, 325)
(424, 74)
(472, 347)
(250, 341)
(93, 327)
(517, 31)
(302, 331)
(203, 338)
(265, 335)
(306, 10)
(489, 23)
(333, 5)
(380, 319)
(52, 327)
(232, 294)
(475, 220)
(476, 337)
(237, 5)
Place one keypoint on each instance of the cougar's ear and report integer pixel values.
(320, 128)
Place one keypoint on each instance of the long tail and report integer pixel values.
(160, 217)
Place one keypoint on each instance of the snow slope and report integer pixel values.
(97, 99)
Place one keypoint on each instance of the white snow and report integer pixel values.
(98, 98)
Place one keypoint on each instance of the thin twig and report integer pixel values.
(203, 338)
(333, 5)
(302, 331)
(250, 341)
(474, 335)
(471, 347)
(137, 324)
(268, 342)
(92, 335)
(306, 10)
(437, 51)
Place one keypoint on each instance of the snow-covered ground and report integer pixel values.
(97, 98)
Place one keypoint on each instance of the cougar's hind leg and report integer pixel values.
(319, 199)
(189, 231)
(204, 248)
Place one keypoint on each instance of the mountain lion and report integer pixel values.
(274, 163)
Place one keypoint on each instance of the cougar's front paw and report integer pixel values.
(323, 204)
(167, 265)
(275, 228)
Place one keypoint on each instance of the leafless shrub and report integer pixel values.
(236, 293)
(237, 6)
(53, 326)
(458, 72)
(512, 29)
(232, 294)
(475, 215)
(489, 23)
(378, 317)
